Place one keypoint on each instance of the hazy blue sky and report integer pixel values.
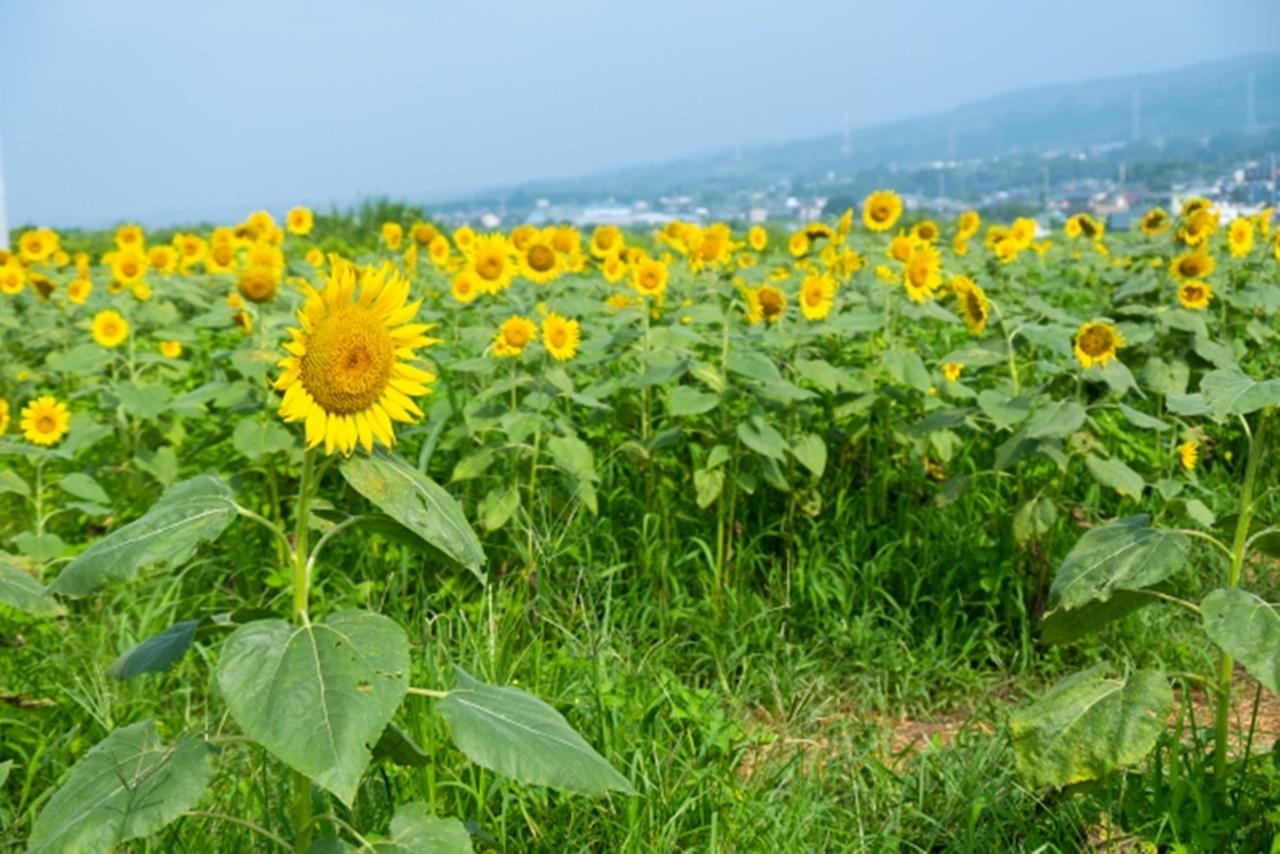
(164, 110)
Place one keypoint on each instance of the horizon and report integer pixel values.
(251, 153)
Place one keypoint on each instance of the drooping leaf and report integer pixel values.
(708, 484)
(1055, 419)
(761, 437)
(127, 786)
(1127, 554)
(1004, 409)
(415, 831)
(1089, 725)
(19, 590)
(1033, 519)
(317, 696)
(687, 400)
(1066, 625)
(1113, 473)
(811, 451)
(395, 746)
(1246, 628)
(155, 654)
(519, 736)
(80, 485)
(417, 502)
(188, 513)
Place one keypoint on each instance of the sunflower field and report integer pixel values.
(353, 532)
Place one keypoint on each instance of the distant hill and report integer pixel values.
(1187, 105)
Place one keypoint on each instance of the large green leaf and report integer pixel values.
(317, 696)
(187, 514)
(811, 451)
(1113, 473)
(1055, 419)
(417, 502)
(1064, 625)
(515, 734)
(415, 831)
(1089, 725)
(127, 786)
(761, 437)
(1229, 391)
(19, 590)
(687, 400)
(1124, 555)
(1246, 628)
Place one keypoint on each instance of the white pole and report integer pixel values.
(4, 221)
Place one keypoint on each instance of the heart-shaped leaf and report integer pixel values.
(1124, 555)
(1246, 628)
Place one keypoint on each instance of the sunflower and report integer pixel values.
(493, 262)
(129, 237)
(538, 260)
(38, 245)
(765, 303)
(464, 286)
(1195, 295)
(299, 221)
(1022, 232)
(1240, 237)
(960, 246)
(392, 235)
(1096, 343)
(798, 244)
(129, 265)
(514, 335)
(12, 278)
(757, 238)
(171, 349)
(1154, 221)
(881, 210)
(4, 416)
(613, 269)
(617, 302)
(923, 273)
(605, 240)
(191, 249)
(951, 370)
(566, 239)
(1199, 226)
(163, 258)
(464, 237)
(1007, 249)
(141, 291)
(561, 336)
(926, 231)
(221, 258)
(44, 420)
(967, 224)
(1191, 265)
(649, 278)
(974, 306)
(258, 284)
(1083, 225)
(1189, 454)
(260, 224)
(817, 296)
(110, 329)
(844, 225)
(423, 233)
(349, 372)
(439, 251)
(78, 291)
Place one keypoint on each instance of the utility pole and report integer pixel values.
(4, 220)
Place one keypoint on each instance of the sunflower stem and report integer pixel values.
(302, 815)
(1238, 548)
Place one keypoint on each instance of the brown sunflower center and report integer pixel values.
(490, 266)
(974, 306)
(46, 424)
(348, 361)
(770, 303)
(541, 258)
(1097, 340)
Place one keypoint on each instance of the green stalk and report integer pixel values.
(1233, 580)
(302, 816)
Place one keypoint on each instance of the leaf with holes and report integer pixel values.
(317, 696)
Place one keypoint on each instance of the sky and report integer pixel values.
(161, 112)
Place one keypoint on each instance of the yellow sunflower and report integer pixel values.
(951, 370)
(464, 237)
(926, 231)
(1191, 265)
(923, 273)
(561, 336)
(163, 258)
(1195, 295)
(439, 251)
(465, 287)
(881, 210)
(258, 284)
(44, 420)
(967, 224)
(539, 262)
(38, 245)
(129, 237)
(514, 335)
(349, 372)
(605, 240)
(1096, 343)
(392, 235)
(78, 291)
(171, 349)
(12, 278)
(973, 303)
(817, 296)
(129, 265)
(4, 416)
(493, 262)
(423, 233)
(765, 303)
(299, 221)
(649, 278)
(798, 244)
(110, 329)
(900, 248)
(191, 249)
(758, 238)
(613, 269)
(1154, 221)
(1240, 237)
(1189, 454)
